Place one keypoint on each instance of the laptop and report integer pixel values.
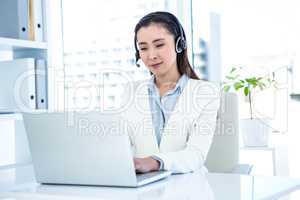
(89, 148)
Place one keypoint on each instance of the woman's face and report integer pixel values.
(157, 49)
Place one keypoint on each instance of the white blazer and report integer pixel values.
(188, 133)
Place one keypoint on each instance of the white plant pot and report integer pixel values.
(255, 131)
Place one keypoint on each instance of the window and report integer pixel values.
(206, 53)
(98, 42)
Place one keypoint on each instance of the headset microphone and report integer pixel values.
(137, 57)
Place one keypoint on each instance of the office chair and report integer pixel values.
(223, 156)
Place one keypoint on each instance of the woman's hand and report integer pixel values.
(147, 164)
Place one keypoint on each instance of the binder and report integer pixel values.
(14, 19)
(17, 82)
(23, 18)
(31, 20)
(41, 84)
(38, 25)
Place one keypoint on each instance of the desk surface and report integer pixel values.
(19, 184)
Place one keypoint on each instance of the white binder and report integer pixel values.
(14, 19)
(38, 20)
(41, 84)
(17, 82)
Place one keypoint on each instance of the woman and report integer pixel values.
(172, 116)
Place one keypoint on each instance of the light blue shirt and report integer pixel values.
(162, 106)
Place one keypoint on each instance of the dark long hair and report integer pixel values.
(172, 24)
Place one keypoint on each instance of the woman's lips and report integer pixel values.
(156, 65)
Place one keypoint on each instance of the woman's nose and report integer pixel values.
(152, 54)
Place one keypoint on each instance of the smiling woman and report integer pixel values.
(175, 119)
(160, 41)
(156, 47)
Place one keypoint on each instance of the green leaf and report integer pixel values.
(238, 85)
(248, 80)
(226, 88)
(236, 76)
(262, 85)
(232, 70)
(246, 91)
(252, 81)
(229, 77)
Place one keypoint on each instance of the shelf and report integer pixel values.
(17, 44)
(11, 116)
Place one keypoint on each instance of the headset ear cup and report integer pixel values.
(178, 45)
(183, 44)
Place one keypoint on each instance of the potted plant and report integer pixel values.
(255, 130)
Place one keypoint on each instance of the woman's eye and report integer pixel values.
(143, 49)
(159, 45)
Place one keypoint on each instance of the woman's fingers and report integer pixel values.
(137, 164)
(140, 165)
(145, 164)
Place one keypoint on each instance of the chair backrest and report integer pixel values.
(223, 155)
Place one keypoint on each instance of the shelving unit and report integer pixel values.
(13, 140)
(16, 151)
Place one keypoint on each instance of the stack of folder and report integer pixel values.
(22, 19)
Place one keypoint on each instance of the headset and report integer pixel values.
(180, 44)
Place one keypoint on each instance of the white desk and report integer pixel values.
(19, 184)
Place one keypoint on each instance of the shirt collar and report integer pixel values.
(179, 85)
